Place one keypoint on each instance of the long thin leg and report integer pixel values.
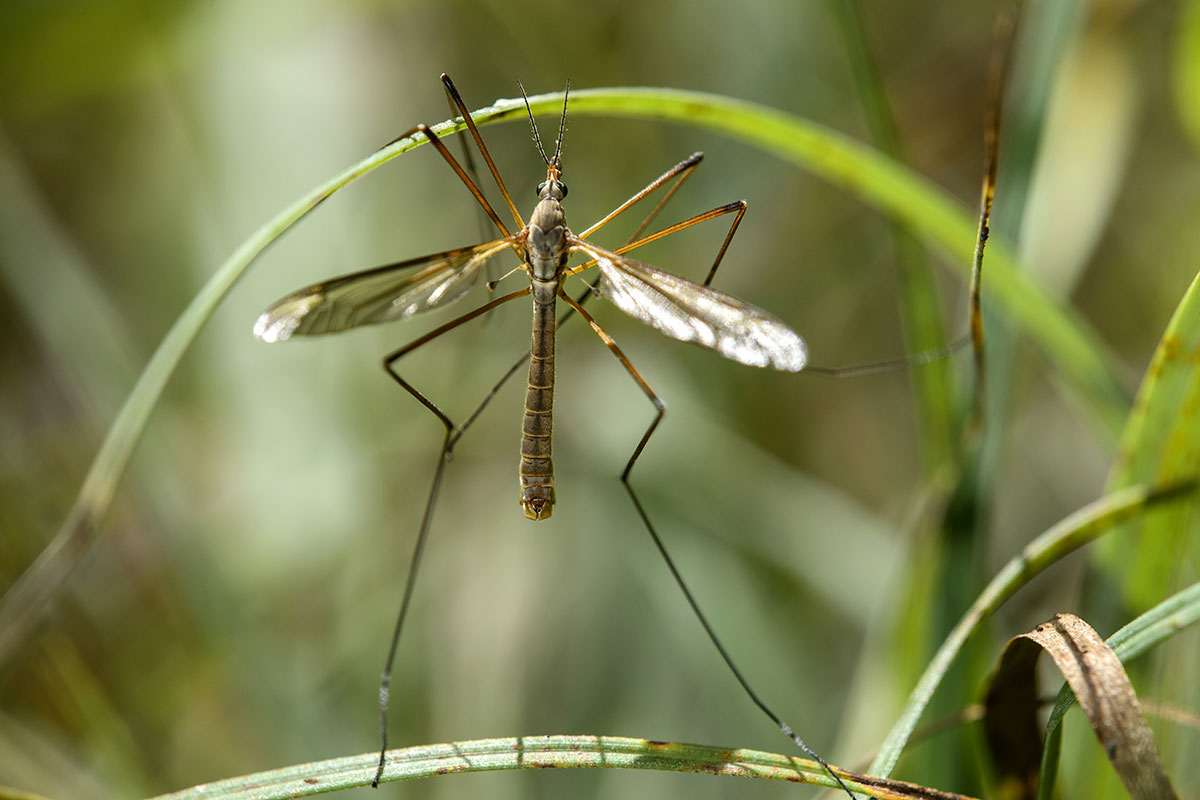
(452, 435)
(684, 170)
(998, 66)
(410, 583)
(687, 166)
(660, 410)
(469, 164)
(892, 364)
(738, 206)
(466, 115)
(428, 133)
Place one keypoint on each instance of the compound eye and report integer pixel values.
(541, 188)
(562, 187)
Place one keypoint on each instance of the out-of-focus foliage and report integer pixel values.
(1187, 69)
(235, 614)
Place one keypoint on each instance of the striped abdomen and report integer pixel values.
(537, 468)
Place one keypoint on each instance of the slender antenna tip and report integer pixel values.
(537, 139)
(562, 123)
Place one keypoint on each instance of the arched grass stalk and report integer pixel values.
(540, 752)
(894, 189)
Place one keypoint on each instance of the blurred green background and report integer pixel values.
(235, 614)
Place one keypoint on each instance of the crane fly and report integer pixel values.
(679, 308)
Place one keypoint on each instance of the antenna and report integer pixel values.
(562, 123)
(537, 139)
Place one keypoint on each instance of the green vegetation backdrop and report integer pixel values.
(234, 614)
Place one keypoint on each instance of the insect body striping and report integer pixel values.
(537, 468)
(545, 255)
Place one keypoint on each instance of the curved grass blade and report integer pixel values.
(1077, 354)
(542, 752)
(1161, 442)
(918, 298)
(1187, 68)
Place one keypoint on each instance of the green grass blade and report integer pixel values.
(916, 288)
(490, 755)
(1187, 68)
(897, 191)
(1161, 443)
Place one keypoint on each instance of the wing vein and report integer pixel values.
(383, 294)
(693, 313)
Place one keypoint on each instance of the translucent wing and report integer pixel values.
(382, 294)
(693, 313)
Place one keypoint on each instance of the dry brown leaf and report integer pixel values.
(1104, 692)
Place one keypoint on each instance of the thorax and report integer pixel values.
(546, 240)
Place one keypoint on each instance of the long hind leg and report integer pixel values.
(660, 409)
(451, 437)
